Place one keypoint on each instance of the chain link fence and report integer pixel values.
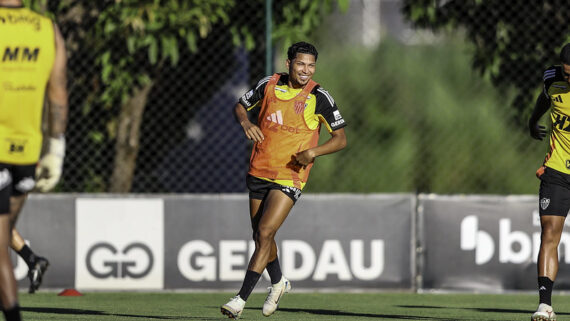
(189, 141)
(419, 118)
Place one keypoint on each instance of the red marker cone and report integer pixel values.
(70, 292)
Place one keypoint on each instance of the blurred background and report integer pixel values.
(436, 94)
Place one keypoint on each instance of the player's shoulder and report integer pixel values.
(282, 81)
(323, 95)
(552, 74)
(31, 14)
(262, 82)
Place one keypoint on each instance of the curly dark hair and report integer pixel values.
(301, 47)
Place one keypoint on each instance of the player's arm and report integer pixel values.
(541, 106)
(334, 144)
(50, 165)
(328, 113)
(57, 90)
(247, 102)
(251, 130)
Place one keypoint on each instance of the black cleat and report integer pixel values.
(36, 273)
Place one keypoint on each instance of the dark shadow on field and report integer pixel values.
(94, 312)
(509, 311)
(337, 313)
(494, 310)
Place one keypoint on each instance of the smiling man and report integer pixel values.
(292, 108)
(554, 176)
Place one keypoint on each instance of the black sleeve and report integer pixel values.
(251, 98)
(551, 74)
(327, 109)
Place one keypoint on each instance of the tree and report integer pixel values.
(131, 42)
(134, 40)
(514, 40)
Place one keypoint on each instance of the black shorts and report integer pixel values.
(554, 195)
(259, 188)
(15, 180)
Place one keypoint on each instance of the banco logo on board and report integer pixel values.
(509, 246)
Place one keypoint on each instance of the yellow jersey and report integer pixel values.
(27, 54)
(557, 89)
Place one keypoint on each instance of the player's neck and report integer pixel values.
(295, 85)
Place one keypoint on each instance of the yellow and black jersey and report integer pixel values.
(27, 55)
(320, 107)
(557, 89)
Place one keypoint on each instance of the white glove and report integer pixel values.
(48, 171)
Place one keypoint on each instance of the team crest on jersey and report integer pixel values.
(544, 202)
(300, 106)
(568, 163)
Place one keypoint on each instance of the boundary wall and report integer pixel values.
(329, 241)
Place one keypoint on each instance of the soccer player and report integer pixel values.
(32, 67)
(554, 176)
(292, 108)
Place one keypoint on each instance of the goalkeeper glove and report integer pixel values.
(48, 171)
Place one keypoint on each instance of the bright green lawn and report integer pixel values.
(294, 306)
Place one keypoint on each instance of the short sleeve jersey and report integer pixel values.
(321, 107)
(557, 90)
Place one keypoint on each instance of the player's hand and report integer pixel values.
(252, 131)
(48, 171)
(537, 131)
(305, 157)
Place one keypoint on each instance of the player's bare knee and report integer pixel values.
(266, 235)
(550, 237)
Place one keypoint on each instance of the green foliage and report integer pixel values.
(417, 122)
(131, 41)
(300, 18)
(515, 41)
(137, 37)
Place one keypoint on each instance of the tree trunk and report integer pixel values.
(127, 144)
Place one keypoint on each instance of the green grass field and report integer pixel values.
(294, 306)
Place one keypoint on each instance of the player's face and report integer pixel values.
(566, 72)
(301, 69)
